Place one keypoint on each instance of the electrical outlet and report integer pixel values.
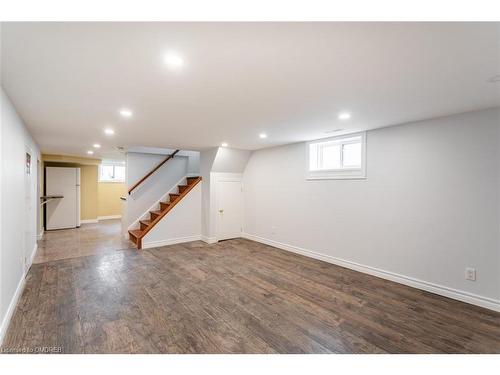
(470, 274)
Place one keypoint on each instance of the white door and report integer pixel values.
(61, 213)
(229, 209)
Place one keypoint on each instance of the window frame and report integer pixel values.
(114, 165)
(349, 173)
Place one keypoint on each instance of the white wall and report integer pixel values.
(147, 194)
(18, 232)
(214, 162)
(230, 160)
(207, 159)
(181, 224)
(428, 209)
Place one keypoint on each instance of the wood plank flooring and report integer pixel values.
(236, 296)
(96, 238)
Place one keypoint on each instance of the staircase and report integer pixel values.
(136, 235)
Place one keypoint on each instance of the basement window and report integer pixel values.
(111, 172)
(337, 158)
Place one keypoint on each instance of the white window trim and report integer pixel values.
(339, 174)
(117, 164)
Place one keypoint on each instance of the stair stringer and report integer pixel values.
(156, 205)
(181, 224)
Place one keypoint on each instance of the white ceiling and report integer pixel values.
(290, 80)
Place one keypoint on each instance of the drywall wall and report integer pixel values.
(182, 224)
(214, 162)
(89, 189)
(19, 207)
(230, 160)
(148, 193)
(108, 198)
(428, 208)
(207, 159)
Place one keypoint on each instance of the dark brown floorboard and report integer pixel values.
(236, 296)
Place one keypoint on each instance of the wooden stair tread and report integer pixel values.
(190, 180)
(165, 207)
(137, 233)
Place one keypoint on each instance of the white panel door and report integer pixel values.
(61, 213)
(229, 209)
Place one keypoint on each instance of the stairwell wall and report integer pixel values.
(155, 187)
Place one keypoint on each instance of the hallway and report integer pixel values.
(100, 238)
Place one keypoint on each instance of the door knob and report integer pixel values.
(221, 210)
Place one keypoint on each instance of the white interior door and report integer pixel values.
(229, 209)
(61, 213)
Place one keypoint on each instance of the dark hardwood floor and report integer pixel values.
(236, 296)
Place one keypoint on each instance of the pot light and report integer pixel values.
(125, 112)
(344, 116)
(109, 131)
(96, 145)
(224, 144)
(173, 60)
(262, 135)
(90, 152)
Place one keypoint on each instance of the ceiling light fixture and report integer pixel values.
(109, 131)
(125, 112)
(173, 60)
(262, 135)
(344, 116)
(90, 152)
(224, 144)
(96, 145)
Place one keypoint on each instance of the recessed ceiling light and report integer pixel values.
(90, 152)
(262, 135)
(109, 131)
(125, 112)
(173, 60)
(224, 144)
(96, 145)
(344, 116)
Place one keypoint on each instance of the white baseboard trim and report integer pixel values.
(33, 254)
(171, 241)
(474, 299)
(89, 221)
(15, 299)
(109, 217)
(40, 235)
(10, 310)
(209, 240)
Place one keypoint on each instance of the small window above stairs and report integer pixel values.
(164, 208)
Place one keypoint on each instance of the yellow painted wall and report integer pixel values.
(109, 194)
(97, 198)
